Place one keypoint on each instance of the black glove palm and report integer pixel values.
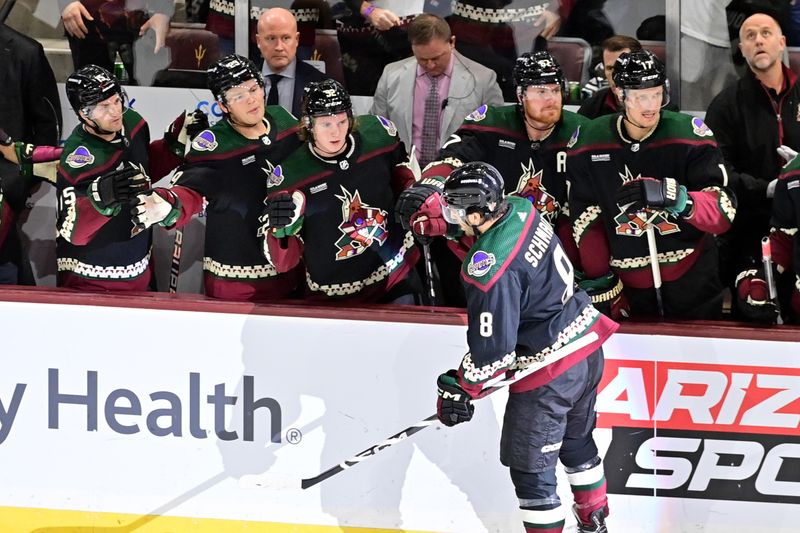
(279, 211)
(118, 187)
(453, 405)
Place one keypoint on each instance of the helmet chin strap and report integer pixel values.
(95, 128)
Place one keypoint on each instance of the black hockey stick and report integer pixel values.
(175, 267)
(432, 279)
(279, 481)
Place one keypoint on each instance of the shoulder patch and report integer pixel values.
(480, 263)
(80, 157)
(388, 125)
(574, 138)
(205, 141)
(700, 128)
(479, 114)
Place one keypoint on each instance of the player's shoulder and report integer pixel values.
(682, 125)
(504, 116)
(82, 152)
(593, 131)
(216, 140)
(376, 131)
(280, 117)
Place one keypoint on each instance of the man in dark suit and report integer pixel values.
(284, 76)
(29, 111)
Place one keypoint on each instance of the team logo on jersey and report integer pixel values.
(80, 157)
(274, 175)
(480, 263)
(530, 186)
(479, 114)
(700, 128)
(635, 224)
(361, 227)
(574, 138)
(388, 125)
(205, 142)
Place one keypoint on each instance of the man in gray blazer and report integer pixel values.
(427, 96)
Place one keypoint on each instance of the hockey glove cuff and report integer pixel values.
(454, 404)
(183, 130)
(607, 296)
(752, 297)
(282, 215)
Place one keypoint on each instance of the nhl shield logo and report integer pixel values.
(480, 263)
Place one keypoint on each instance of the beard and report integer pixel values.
(546, 116)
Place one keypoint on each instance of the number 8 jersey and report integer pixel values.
(522, 303)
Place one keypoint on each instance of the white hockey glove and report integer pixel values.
(159, 206)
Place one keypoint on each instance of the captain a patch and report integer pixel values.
(480, 263)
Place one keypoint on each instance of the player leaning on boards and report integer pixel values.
(226, 174)
(522, 306)
(649, 167)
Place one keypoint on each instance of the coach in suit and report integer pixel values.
(284, 76)
(428, 95)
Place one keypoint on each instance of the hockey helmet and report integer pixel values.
(639, 70)
(90, 85)
(326, 97)
(538, 68)
(230, 71)
(476, 187)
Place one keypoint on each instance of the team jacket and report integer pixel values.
(94, 251)
(536, 170)
(522, 304)
(226, 174)
(602, 158)
(785, 221)
(349, 241)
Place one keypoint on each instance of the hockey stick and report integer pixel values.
(279, 481)
(175, 267)
(651, 245)
(766, 258)
(426, 252)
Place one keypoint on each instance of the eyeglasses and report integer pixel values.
(235, 97)
(540, 92)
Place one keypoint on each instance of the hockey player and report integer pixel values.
(650, 168)
(105, 161)
(227, 173)
(521, 306)
(331, 204)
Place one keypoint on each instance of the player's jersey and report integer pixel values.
(521, 301)
(536, 170)
(227, 174)
(94, 251)
(602, 159)
(785, 221)
(351, 244)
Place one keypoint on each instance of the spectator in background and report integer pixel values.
(706, 66)
(98, 30)
(30, 112)
(437, 84)
(284, 75)
(739, 10)
(751, 119)
(372, 35)
(495, 33)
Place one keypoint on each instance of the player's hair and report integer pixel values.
(615, 43)
(426, 27)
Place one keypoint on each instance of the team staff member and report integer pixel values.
(331, 205)
(650, 167)
(521, 306)
(226, 174)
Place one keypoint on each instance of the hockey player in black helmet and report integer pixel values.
(94, 86)
(526, 142)
(510, 326)
(227, 175)
(331, 204)
(650, 171)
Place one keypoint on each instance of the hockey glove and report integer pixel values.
(108, 192)
(654, 193)
(183, 130)
(283, 214)
(454, 404)
(752, 297)
(159, 206)
(607, 296)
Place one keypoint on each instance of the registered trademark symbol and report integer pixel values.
(293, 436)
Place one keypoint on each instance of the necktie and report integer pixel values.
(430, 124)
(272, 98)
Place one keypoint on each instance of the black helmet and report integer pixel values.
(538, 68)
(231, 71)
(639, 70)
(474, 188)
(91, 85)
(326, 97)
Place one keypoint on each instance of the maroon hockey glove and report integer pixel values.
(183, 130)
(752, 297)
(454, 404)
(666, 194)
(411, 200)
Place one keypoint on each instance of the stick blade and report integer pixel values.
(269, 480)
